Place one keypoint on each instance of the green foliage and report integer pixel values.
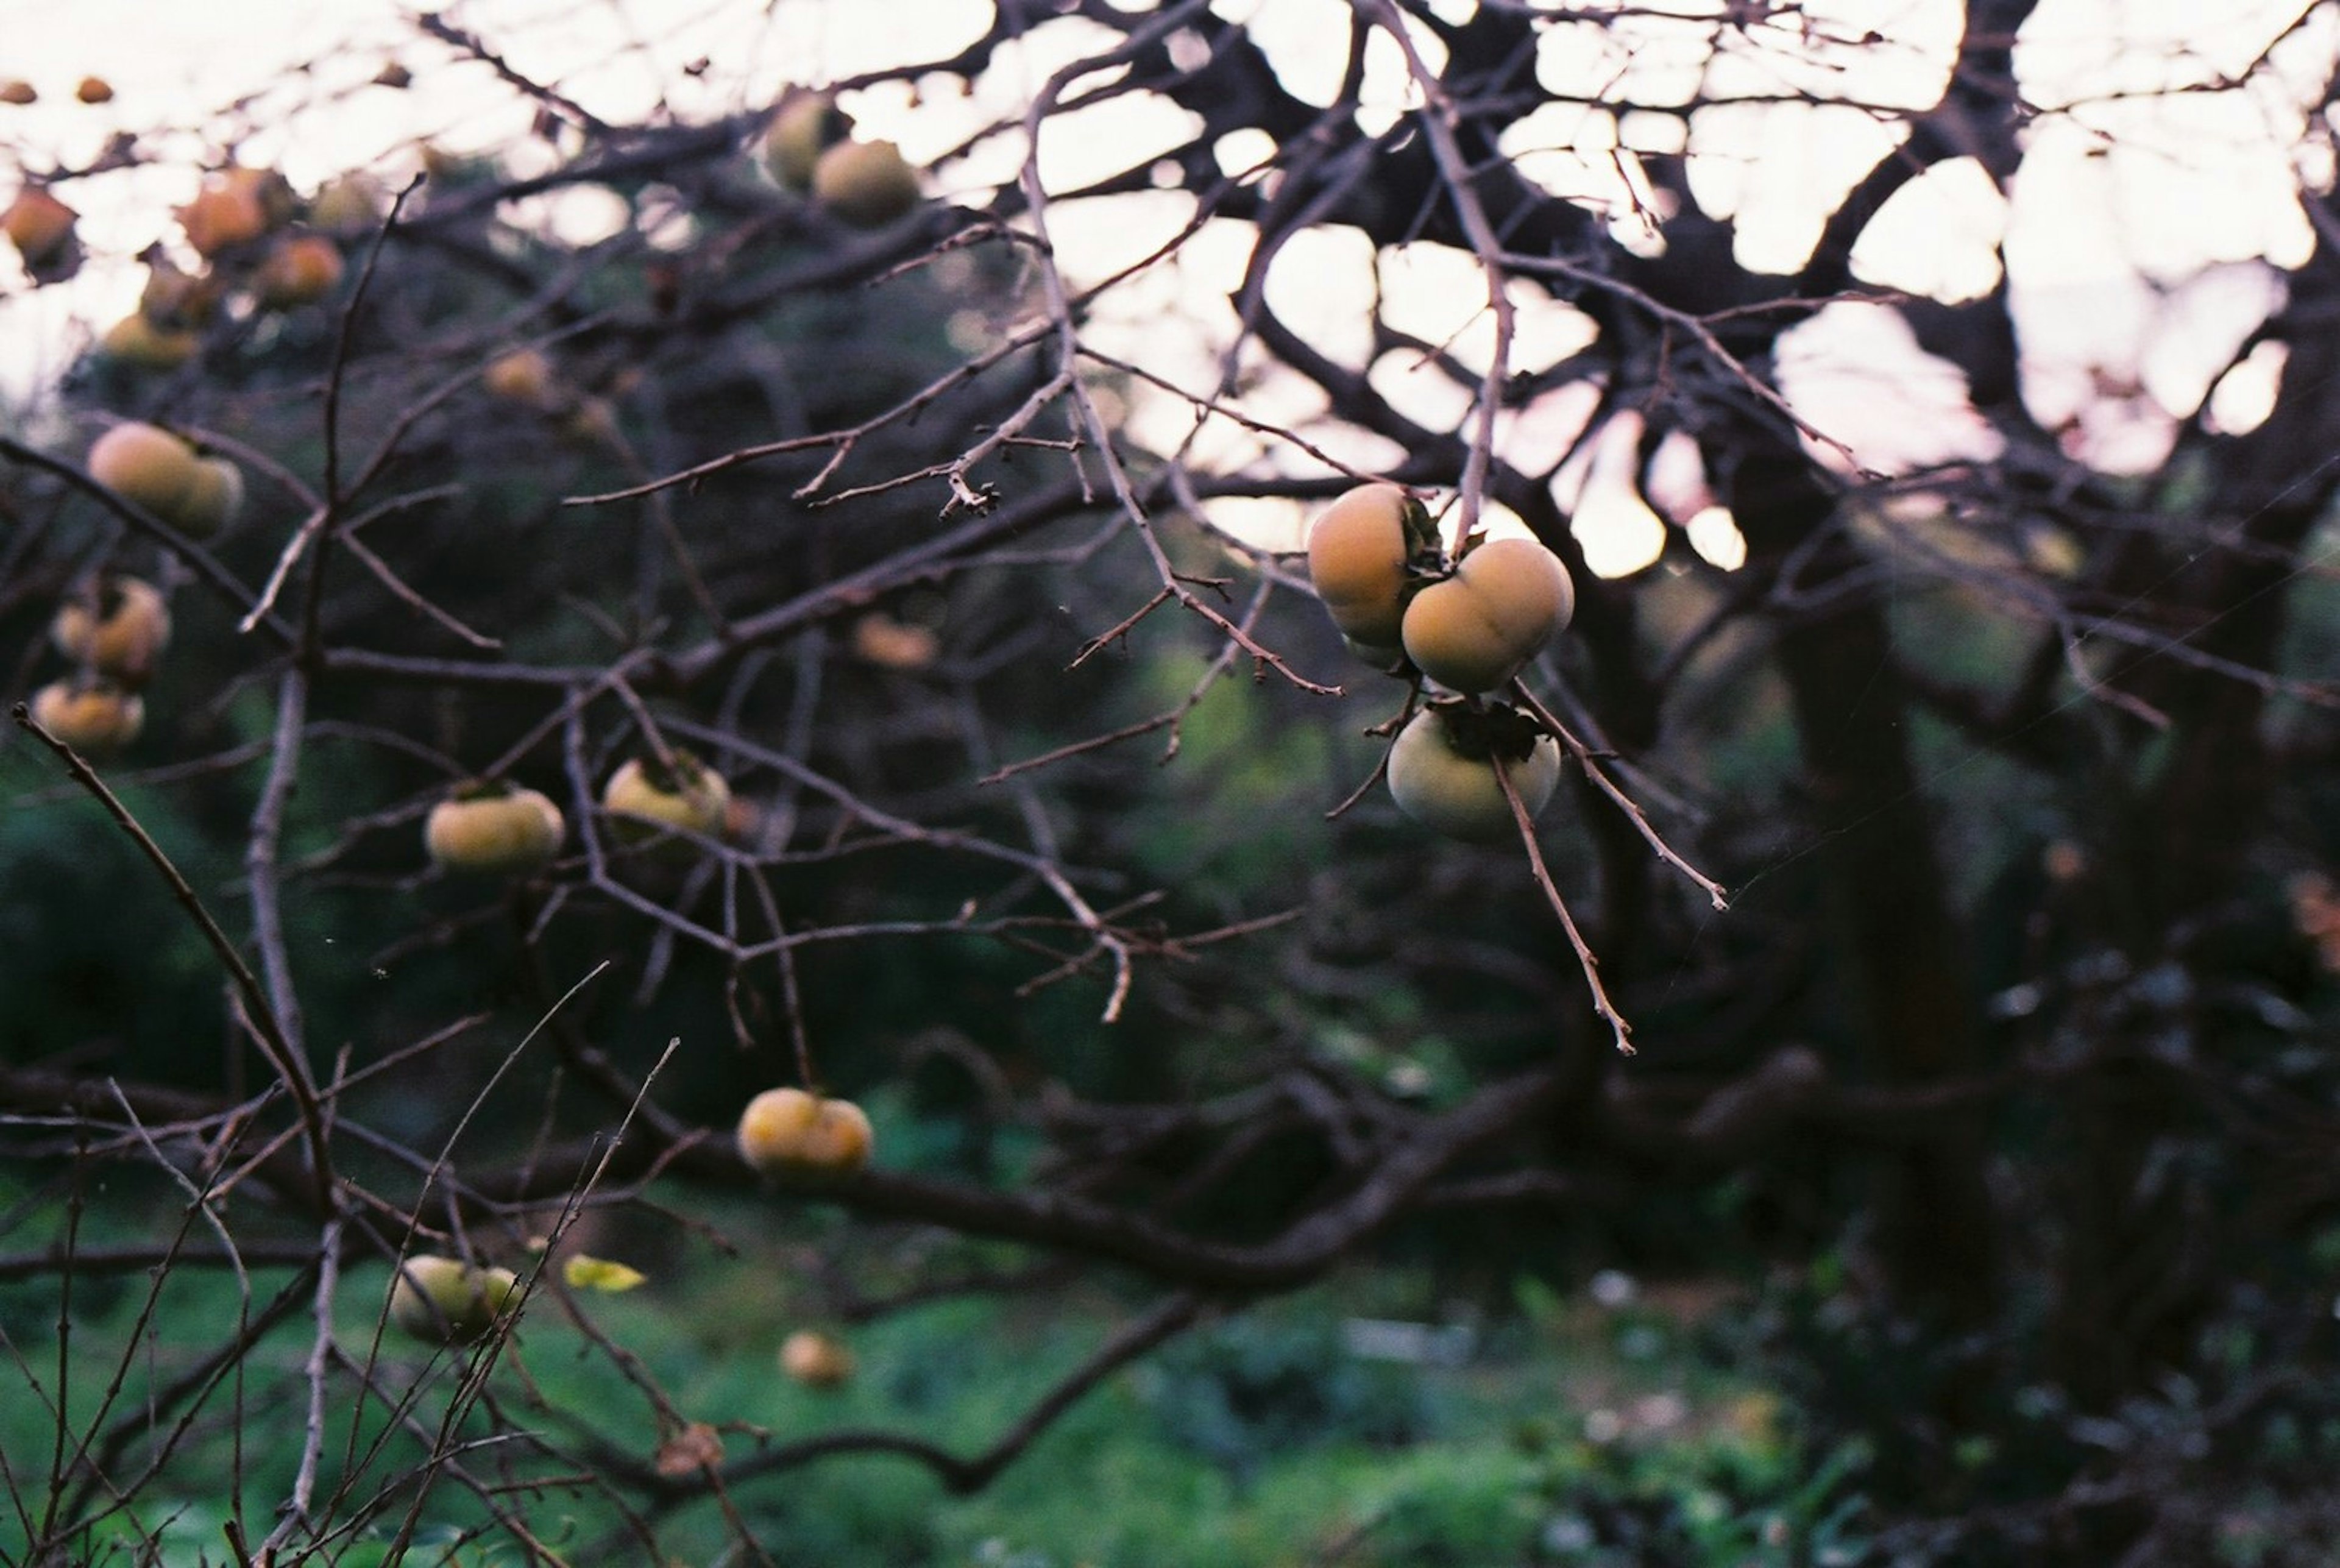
(1260, 1440)
(1266, 1385)
(102, 955)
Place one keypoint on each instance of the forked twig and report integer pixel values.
(1577, 749)
(1585, 959)
(267, 1028)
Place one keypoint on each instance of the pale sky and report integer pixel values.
(2133, 234)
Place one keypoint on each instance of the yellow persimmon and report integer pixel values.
(146, 464)
(98, 720)
(1477, 629)
(689, 795)
(790, 1133)
(1358, 551)
(117, 628)
(494, 828)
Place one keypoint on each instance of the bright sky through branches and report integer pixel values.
(2159, 179)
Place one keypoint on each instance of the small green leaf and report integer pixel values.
(584, 1272)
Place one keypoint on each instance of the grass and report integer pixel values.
(1571, 1432)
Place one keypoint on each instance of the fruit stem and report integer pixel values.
(1602, 1005)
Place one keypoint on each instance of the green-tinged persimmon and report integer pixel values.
(1477, 629)
(1441, 770)
(685, 793)
(135, 339)
(493, 829)
(1360, 549)
(867, 184)
(803, 1137)
(173, 297)
(807, 123)
(213, 499)
(446, 1300)
(96, 719)
(349, 205)
(117, 626)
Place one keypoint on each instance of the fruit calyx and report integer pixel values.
(1483, 730)
(676, 773)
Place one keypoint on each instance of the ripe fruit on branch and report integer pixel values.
(162, 473)
(491, 826)
(137, 341)
(117, 629)
(174, 298)
(1476, 630)
(39, 225)
(743, 820)
(807, 123)
(214, 498)
(867, 184)
(146, 464)
(1359, 549)
(1442, 769)
(94, 89)
(689, 795)
(350, 204)
(522, 376)
(792, 1133)
(594, 421)
(300, 270)
(97, 720)
(446, 1300)
(231, 210)
(815, 1360)
(18, 92)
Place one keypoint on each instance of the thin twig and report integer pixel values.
(274, 1042)
(1585, 961)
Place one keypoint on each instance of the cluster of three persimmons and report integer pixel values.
(1467, 623)
(795, 1136)
(113, 627)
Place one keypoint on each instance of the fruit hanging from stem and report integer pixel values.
(117, 626)
(446, 1300)
(1477, 629)
(494, 828)
(790, 1134)
(681, 793)
(1442, 769)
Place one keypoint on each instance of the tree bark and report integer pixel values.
(1904, 972)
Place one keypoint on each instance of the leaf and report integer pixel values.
(584, 1272)
(695, 1448)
